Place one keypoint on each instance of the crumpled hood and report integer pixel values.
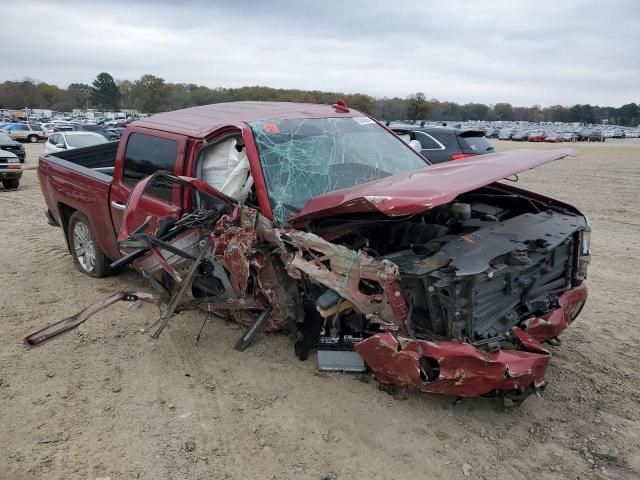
(417, 191)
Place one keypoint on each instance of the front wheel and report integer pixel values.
(33, 138)
(86, 252)
(11, 183)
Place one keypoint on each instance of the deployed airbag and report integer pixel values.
(227, 170)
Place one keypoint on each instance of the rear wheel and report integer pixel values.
(11, 183)
(86, 252)
(33, 138)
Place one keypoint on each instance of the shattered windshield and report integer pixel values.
(304, 158)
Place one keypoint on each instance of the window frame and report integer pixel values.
(435, 140)
(176, 191)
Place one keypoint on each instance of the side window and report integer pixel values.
(144, 156)
(53, 139)
(428, 142)
(404, 135)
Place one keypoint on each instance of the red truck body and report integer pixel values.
(369, 253)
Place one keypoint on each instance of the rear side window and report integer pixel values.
(145, 155)
(447, 138)
(427, 142)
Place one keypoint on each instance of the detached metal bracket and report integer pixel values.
(186, 282)
(245, 340)
(69, 323)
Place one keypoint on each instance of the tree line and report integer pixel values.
(152, 94)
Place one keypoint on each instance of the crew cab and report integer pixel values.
(438, 278)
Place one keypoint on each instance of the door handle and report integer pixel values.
(118, 206)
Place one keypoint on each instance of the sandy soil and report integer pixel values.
(107, 401)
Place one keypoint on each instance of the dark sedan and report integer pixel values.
(106, 133)
(10, 145)
(441, 144)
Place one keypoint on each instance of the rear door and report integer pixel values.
(19, 131)
(143, 153)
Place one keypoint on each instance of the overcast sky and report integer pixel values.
(522, 51)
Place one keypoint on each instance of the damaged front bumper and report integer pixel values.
(230, 260)
(461, 369)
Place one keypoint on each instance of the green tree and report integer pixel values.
(556, 113)
(50, 94)
(127, 97)
(628, 114)
(151, 94)
(78, 95)
(105, 92)
(475, 111)
(361, 102)
(417, 106)
(504, 111)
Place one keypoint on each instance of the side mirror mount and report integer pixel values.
(60, 145)
(415, 144)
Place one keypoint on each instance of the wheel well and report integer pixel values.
(65, 215)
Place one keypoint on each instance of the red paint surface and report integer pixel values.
(417, 191)
(464, 369)
(202, 121)
(555, 322)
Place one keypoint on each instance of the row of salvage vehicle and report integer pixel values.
(319, 221)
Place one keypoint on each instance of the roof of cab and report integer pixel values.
(201, 121)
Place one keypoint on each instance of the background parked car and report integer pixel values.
(520, 136)
(60, 141)
(10, 169)
(118, 131)
(505, 135)
(594, 136)
(441, 144)
(552, 138)
(105, 132)
(10, 145)
(26, 132)
(535, 137)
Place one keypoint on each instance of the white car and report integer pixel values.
(60, 141)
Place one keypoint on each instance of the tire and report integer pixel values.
(32, 139)
(11, 183)
(84, 248)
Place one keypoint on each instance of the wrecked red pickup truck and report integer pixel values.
(317, 219)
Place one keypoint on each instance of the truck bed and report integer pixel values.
(99, 158)
(80, 180)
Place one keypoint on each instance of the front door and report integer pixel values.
(145, 153)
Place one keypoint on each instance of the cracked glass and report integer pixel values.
(305, 158)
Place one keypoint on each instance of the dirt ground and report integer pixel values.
(107, 401)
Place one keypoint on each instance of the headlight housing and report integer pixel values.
(585, 242)
(584, 257)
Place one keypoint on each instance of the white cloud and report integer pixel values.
(533, 52)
